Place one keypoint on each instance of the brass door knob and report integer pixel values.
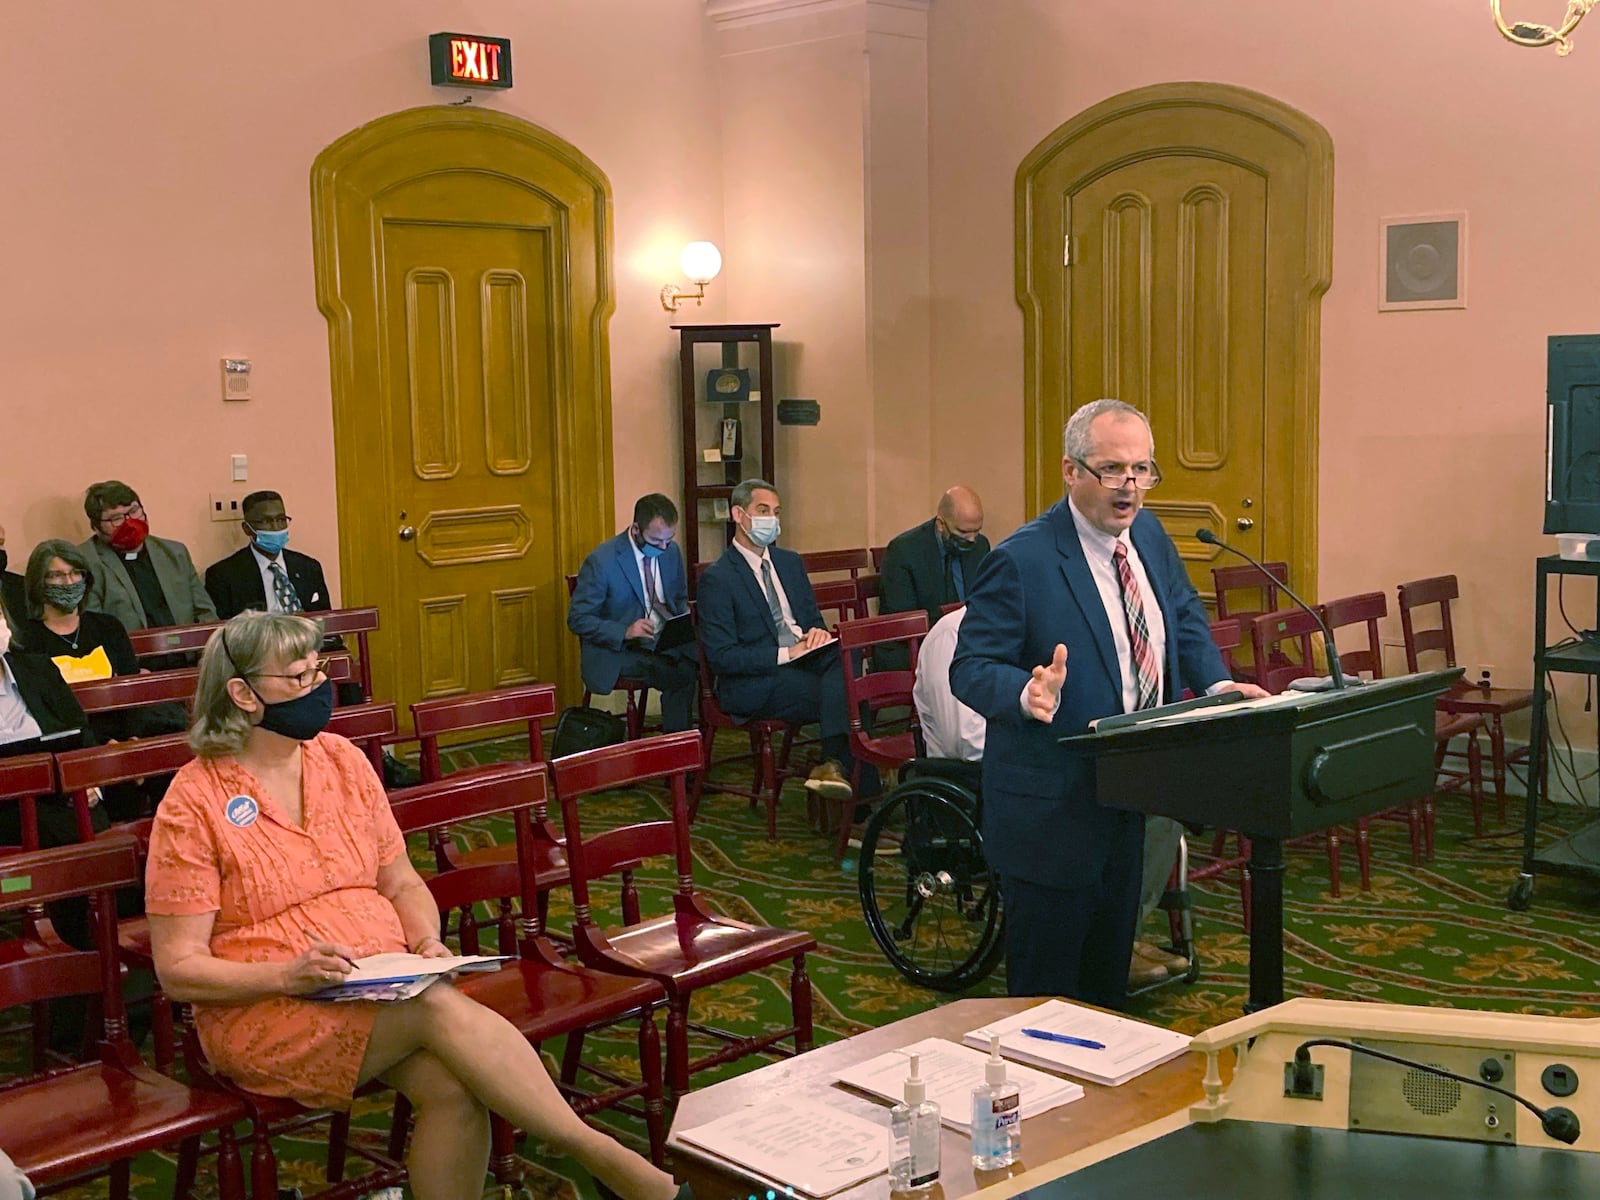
(1245, 523)
(407, 532)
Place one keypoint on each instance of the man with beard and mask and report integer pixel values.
(143, 581)
(10, 582)
(265, 574)
(627, 588)
(765, 642)
(935, 563)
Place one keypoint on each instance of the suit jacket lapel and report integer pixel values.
(629, 566)
(758, 595)
(933, 559)
(1080, 582)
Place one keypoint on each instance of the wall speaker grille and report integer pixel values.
(1430, 1094)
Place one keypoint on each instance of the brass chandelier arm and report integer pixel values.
(1525, 33)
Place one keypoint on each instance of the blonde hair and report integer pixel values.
(248, 644)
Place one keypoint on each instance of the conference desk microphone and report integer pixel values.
(1335, 672)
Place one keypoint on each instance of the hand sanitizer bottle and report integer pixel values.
(914, 1138)
(996, 1115)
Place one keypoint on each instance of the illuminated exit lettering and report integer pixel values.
(468, 60)
(477, 61)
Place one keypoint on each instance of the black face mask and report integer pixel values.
(959, 545)
(301, 718)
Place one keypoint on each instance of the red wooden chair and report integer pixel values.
(1269, 632)
(770, 769)
(1366, 610)
(340, 622)
(869, 595)
(841, 597)
(525, 706)
(176, 686)
(690, 947)
(1225, 633)
(1259, 595)
(369, 726)
(103, 767)
(831, 562)
(635, 691)
(877, 553)
(540, 993)
(1466, 697)
(345, 622)
(23, 781)
(870, 692)
(61, 1125)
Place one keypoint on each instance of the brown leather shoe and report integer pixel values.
(1176, 964)
(1142, 972)
(829, 781)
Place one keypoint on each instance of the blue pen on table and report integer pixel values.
(1066, 1039)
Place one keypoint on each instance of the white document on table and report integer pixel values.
(1131, 1047)
(795, 1142)
(950, 1072)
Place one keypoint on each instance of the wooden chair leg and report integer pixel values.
(230, 1167)
(655, 1109)
(263, 1164)
(162, 1033)
(399, 1127)
(1364, 852)
(1245, 897)
(800, 1002)
(1475, 778)
(503, 1152)
(1333, 861)
(1430, 814)
(677, 1047)
(572, 1056)
(187, 1168)
(709, 736)
(121, 1179)
(1497, 754)
(1414, 824)
(768, 785)
(338, 1142)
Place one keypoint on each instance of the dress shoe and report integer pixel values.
(1142, 972)
(1176, 964)
(829, 781)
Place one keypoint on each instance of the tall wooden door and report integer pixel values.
(1172, 251)
(467, 304)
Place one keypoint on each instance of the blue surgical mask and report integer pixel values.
(764, 530)
(271, 541)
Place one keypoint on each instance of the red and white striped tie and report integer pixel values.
(1148, 676)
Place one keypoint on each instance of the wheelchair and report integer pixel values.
(931, 900)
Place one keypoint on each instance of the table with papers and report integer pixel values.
(1101, 1114)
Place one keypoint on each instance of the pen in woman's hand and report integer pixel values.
(314, 939)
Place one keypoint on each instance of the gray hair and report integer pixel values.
(248, 644)
(745, 490)
(1076, 443)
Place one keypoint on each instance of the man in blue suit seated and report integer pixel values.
(765, 641)
(1095, 582)
(627, 589)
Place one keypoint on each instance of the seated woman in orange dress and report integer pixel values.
(274, 860)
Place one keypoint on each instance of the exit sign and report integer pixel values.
(470, 60)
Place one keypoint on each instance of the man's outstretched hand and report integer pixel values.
(1043, 692)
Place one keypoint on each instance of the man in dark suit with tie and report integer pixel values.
(627, 589)
(764, 638)
(1095, 582)
(932, 564)
(265, 574)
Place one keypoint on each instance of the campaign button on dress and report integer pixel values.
(242, 811)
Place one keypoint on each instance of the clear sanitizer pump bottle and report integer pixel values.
(914, 1138)
(996, 1115)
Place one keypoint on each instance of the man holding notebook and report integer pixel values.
(623, 604)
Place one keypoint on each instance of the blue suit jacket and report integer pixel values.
(737, 632)
(608, 597)
(1040, 818)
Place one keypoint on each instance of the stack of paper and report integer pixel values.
(951, 1072)
(792, 1142)
(1130, 1047)
(388, 977)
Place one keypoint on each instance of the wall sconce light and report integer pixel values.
(1526, 33)
(701, 262)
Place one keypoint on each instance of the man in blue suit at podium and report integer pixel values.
(1084, 612)
(627, 589)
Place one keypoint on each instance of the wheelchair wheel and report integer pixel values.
(931, 901)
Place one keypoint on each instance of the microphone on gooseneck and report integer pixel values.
(1334, 670)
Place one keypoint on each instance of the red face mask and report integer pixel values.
(130, 535)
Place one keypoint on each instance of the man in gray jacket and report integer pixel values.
(143, 581)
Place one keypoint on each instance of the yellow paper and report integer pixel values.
(93, 665)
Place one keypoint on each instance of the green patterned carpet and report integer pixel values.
(1439, 935)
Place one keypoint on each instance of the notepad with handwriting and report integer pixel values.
(794, 1142)
(1131, 1047)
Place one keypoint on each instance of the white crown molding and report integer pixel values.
(734, 13)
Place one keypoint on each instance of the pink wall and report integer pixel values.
(1431, 422)
(158, 218)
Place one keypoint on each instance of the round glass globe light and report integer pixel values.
(701, 261)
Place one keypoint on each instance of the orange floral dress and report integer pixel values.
(220, 845)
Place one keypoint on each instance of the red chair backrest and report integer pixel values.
(22, 781)
(840, 595)
(629, 764)
(1225, 636)
(874, 690)
(527, 703)
(171, 639)
(869, 588)
(877, 553)
(572, 584)
(1273, 629)
(826, 562)
(361, 622)
(1420, 593)
(30, 880)
(520, 790)
(137, 691)
(1247, 578)
(369, 726)
(1367, 609)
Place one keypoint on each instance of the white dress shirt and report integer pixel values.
(755, 560)
(949, 728)
(1098, 550)
(16, 722)
(264, 565)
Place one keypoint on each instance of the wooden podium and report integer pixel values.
(1271, 773)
